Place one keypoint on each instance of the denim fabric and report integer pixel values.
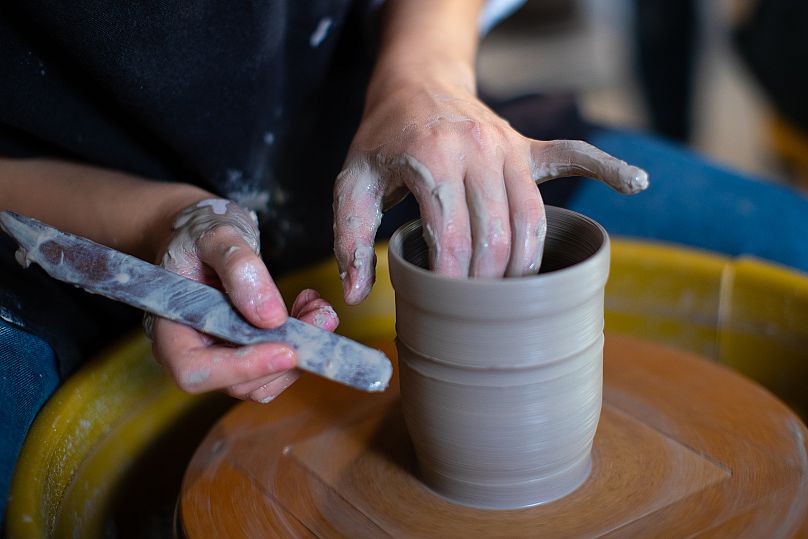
(28, 377)
(698, 204)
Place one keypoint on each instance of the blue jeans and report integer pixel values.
(698, 204)
(28, 377)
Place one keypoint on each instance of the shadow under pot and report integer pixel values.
(501, 379)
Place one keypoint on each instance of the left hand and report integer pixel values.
(217, 242)
(473, 176)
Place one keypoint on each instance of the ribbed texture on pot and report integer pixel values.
(501, 378)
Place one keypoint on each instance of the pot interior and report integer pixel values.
(571, 239)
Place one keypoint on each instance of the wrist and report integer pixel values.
(409, 75)
(159, 231)
(426, 44)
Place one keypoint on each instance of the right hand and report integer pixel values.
(217, 242)
(474, 178)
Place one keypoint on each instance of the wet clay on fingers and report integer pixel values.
(501, 379)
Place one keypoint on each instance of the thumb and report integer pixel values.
(357, 213)
(562, 158)
(244, 276)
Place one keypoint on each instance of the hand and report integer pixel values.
(217, 242)
(474, 178)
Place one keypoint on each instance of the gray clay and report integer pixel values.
(501, 379)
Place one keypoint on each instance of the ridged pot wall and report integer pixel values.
(501, 379)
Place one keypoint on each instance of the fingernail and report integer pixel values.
(325, 317)
(633, 179)
(541, 234)
(354, 294)
(285, 381)
(347, 284)
(283, 360)
(358, 285)
(641, 179)
(534, 266)
(288, 380)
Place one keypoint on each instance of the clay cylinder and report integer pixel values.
(501, 379)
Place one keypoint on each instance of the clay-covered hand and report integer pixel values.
(473, 176)
(217, 242)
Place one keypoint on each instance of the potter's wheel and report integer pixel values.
(683, 447)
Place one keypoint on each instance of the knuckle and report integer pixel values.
(242, 279)
(239, 264)
(424, 151)
(427, 147)
(497, 239)
(230, 252)
(520, 148)
(499, 245)
(219, 232)
(530, 211)
(193, 380)
(346, 180)
(487, 136)
(456, 245)
(345, 177)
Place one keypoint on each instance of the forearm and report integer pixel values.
(426, 40)
(126, 212)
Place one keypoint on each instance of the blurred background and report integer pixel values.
(700, 73)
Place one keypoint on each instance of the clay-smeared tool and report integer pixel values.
(121, 277)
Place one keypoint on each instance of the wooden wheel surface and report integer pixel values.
(685, 447)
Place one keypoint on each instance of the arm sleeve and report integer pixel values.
(495, 11)
(492, 13)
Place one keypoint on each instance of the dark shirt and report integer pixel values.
(256, 102)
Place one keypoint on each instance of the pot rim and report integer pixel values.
(395, 248)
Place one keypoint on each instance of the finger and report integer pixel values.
(490, 222)
(528, 221)
(197, 366)
(358, 197)
(441, 197)
(165, 334)
(562, 158)
(303, 298)
(312, 309)
(268, 392)
(322, 315)
(242, 391)
(244, 276)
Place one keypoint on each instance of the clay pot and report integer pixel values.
(501, 379)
